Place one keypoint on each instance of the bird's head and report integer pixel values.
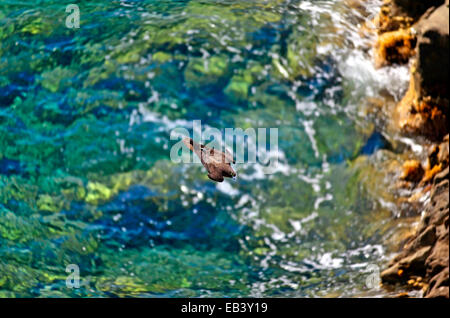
(233, 174)
(228, 171)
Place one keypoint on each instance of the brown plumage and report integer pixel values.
(216, 162)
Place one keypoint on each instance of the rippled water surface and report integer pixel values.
(85, 172)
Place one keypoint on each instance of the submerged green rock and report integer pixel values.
(238, 88)
(209, 71)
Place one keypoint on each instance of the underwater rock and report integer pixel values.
(57, 79)
(161, 57)
(375, 142)
(49, 204)
(36, 25)
(10, 166)
(237, 89)
(210, 71)
(97, 192)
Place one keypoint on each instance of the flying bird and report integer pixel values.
(216, 162)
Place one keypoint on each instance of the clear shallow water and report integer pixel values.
(85, 172)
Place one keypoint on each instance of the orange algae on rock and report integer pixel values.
(395, 47)
(419, 115)
(412, 171)
(391, 19)
(429, 174)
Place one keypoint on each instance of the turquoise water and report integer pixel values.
(85, 172)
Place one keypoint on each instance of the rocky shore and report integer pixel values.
(417, 32)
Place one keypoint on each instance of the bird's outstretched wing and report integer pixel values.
(218, 156)
(195, 147)
(207, 154)
(228, 157)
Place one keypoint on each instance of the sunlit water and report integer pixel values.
(85, 172)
